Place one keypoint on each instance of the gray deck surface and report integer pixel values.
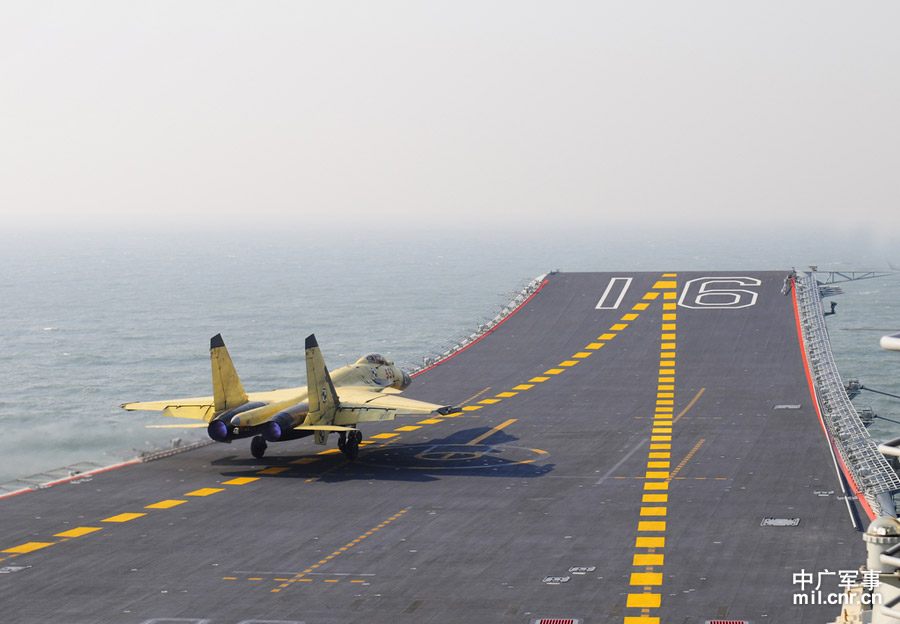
(539, 519)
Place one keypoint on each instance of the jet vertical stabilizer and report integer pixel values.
(228, 392)
(323, 399)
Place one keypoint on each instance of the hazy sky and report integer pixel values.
(486, 113)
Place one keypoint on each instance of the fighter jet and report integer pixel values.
(362, 392)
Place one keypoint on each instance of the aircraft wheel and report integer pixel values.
(357, 436)
(258, 446)
(342, 440)
(351, 448)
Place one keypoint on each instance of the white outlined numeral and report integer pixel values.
(719, 293)
(617, 288)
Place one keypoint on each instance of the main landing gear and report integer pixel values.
(258, 446)
(348, 442)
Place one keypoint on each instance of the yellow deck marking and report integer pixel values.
(690, 405)
(653, 511)
(383, 436)
(660, 446)
(491, 432)
(554, 371)
(302, 460)
(687, 458)
(658, 464)
(540, 452)
(660, 455)
(273, 470)
(166, 504)
(489, 401)
(651, 296)
(78, 532)
(331, 451)
(640, 306)
(606, 337)
(646, 578)
(665, 395)
(408, 428)
(656, 475)
(669, 326)
(471, 408)
(650, 525)
(506, 395)
(669, 316)
(655, 498)
(582, 355)
(650, 542)
(640, 620)
(431, 421)
(125, 517)
(670, 295)
(523, 387)
(618, 327)
(595, 345)
(569, 363)
(28, 547)
(629, 317)
(246, 480)
(643, 600)
(665, 284)
(205, 491)
(648, 559)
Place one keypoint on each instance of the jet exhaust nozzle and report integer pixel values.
(218, 431)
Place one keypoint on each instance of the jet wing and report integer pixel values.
(369, 399)
(203, 408)
(198, 408)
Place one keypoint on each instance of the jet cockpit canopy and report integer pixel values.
(374, 359)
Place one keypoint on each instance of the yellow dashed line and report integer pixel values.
(166, 504)
(489, 401)
(606, 336)
(431, 421)
(629, 317)
(28, 547)
(569, 363)
(471, 408)
(77, 532)
(273, 470)
(125, 517)
(523, 387)
(383, 436)
(554, 371)
(409, 427)
(205, 492)
(246, 480)
(506, 395)
(595, 345)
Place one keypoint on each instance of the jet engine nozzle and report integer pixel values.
(218, 431)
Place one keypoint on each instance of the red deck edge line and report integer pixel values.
(519, 307)
(812, 392)
(73, 478)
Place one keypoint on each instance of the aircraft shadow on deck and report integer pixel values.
(461, 454)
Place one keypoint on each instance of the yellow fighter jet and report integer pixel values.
(362, 392)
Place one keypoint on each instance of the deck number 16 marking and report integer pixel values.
(701, 293)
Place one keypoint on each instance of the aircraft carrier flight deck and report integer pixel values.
(632, 447)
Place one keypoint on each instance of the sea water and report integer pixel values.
(91, 319)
